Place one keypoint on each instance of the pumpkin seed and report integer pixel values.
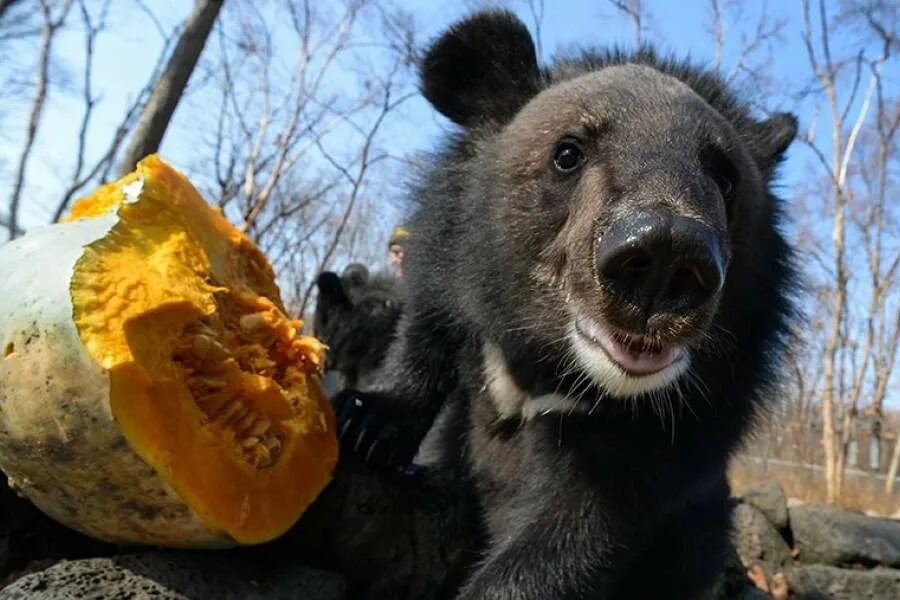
(202, 328)
(254, 323)
(260, 427)
(228, 411)
(201, 345)
(246, 421)
(261, 457)
(240, 415)
(218, 352)
(213, 382)
(272, 444)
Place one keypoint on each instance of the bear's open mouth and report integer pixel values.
(635, 354)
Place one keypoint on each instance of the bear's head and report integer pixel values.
(356, 315)
(619, 207)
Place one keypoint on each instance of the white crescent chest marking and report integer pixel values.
(512, 401)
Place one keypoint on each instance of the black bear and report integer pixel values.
(356, 315)
(599, 291)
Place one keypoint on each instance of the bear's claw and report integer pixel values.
(369, 431)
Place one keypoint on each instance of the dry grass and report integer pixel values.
(862, 491)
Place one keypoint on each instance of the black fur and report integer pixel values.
(485, 66)
(356, 315)
(622, 498)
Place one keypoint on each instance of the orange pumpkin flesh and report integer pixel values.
(210, 381)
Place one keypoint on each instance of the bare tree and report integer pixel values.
(6, 5)
(19, 24)
(742, 44)
(536, 8)
(20, 30)
(87, 170)
(92, 160)
(873, 220)
(52, 21)
(845, 358)
(827, 77)
(842, 363)
(633, 10)
(167, 92)
(292, 154)
(750, 66)
(877, 220)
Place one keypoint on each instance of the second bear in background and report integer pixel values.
(356, 315)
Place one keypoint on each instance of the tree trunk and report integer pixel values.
(895, 465)
(168, 91)
(828, 435)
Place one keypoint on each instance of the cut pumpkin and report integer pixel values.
(152, 387)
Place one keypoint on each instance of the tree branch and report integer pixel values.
(102, 167)
(169, 89)
(48, 32)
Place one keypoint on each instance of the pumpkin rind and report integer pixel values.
(99, 426)
(59, 444)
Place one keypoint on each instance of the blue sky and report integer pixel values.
(126, 53)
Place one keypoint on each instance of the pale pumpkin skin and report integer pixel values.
(153, 389)
(55, 416)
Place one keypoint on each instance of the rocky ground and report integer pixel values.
(380, 542)
(367, 535)
(813, 551)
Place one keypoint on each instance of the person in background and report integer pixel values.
(397, 249)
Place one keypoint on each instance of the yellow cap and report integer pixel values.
(399, 235)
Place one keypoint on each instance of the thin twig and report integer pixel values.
(48, 32)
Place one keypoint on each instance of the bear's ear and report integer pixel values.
(331, 290)
(773, 136)
(355, 275)
(483, 69)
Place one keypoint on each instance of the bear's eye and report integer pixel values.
(721, 170)
(568, 157)
(725, 185)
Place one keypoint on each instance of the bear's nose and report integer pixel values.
(660, 262)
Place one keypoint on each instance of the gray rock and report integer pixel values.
(769, 498)
(820, 582)
(831, 536)
(176, 576)
(29, 538)
(757, 540)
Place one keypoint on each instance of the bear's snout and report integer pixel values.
(658, 262)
